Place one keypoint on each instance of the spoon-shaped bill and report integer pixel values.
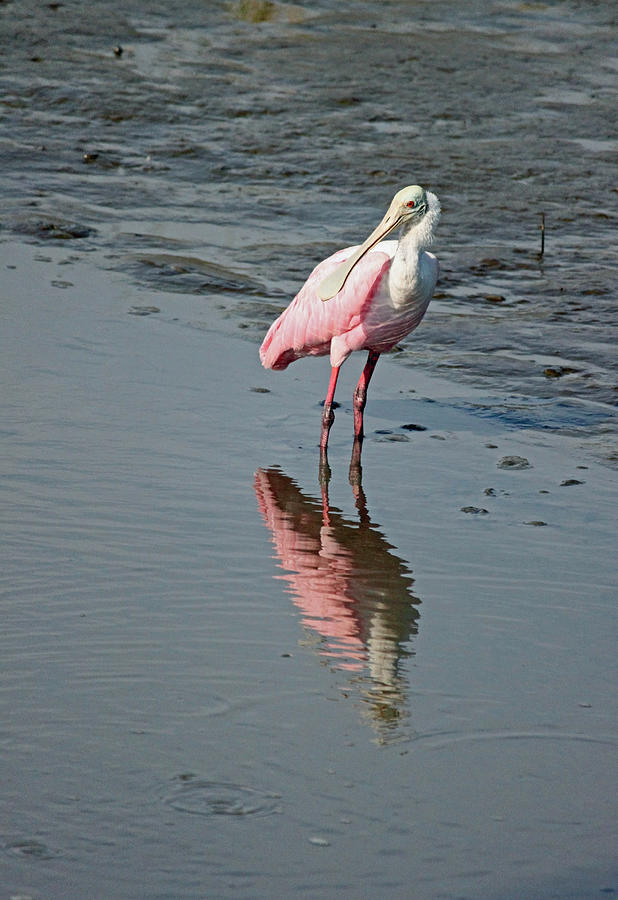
(333, 283)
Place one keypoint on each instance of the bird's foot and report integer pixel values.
(328, 417)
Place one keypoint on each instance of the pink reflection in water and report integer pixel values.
(354, 593)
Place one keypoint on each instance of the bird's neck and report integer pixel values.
(405, 276)
(418, 236)
(404, 267)
(412, 242)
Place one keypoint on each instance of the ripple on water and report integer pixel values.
(191, 794)
(438, 740)
(30, 849)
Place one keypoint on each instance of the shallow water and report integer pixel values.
(220, 676)
(222, 679)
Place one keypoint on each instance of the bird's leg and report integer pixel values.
(361, 504)
(324, 482)
(324, 471)
(360, 399)
(355, 474)
(328, 416)
(360, 396)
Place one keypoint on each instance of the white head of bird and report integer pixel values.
(408, 209)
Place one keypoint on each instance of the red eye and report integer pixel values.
(410, 204)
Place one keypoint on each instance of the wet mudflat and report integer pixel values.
(221, 677)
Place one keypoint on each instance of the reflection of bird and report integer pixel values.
(353, 591)
(377, 293)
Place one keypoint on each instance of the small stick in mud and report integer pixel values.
(542, 227)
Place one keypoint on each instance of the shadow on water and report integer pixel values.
(356, 596)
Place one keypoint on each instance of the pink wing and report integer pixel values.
(308, 325)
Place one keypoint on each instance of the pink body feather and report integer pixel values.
(361, 316)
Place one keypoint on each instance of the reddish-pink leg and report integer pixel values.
(328, 416)
(360, 399)
(360, 394)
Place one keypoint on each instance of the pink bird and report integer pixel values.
(366, 297)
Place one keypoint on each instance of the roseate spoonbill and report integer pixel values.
(366, 297)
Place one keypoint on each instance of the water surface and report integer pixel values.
(223, 677)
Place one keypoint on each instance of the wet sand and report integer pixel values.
(182, 716)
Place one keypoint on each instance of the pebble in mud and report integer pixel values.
(394, 437)
(475, 510)
(558, 371)
(413, 427)
(569, 481)
(143, 310)
(537, 522)
(514, 462)
(54, 230)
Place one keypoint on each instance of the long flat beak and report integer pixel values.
(333, 283)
